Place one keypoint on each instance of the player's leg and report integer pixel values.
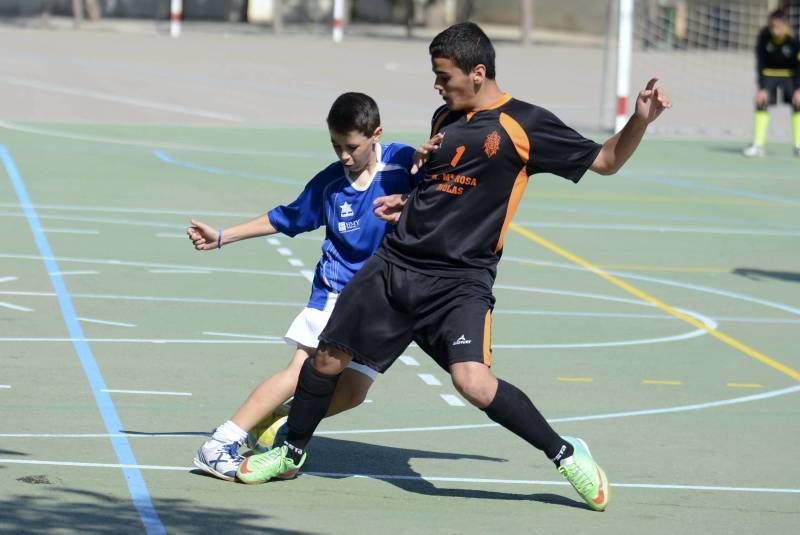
(219, 455)
(761, 119)
(795, 117)
(362, 323)
(464, 344)
(351, 390)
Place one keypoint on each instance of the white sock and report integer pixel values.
(229, 432)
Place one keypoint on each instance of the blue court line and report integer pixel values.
(166, 158)
(688, 184)
(133, 477)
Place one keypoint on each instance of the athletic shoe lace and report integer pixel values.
(579, 479)
(232, 450)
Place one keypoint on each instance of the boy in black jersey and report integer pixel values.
(431, 280)
(777, 67)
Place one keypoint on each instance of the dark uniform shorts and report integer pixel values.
(786, 85)
(385, 307)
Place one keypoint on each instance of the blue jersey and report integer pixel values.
(352, 231)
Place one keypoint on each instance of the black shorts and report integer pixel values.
(786, 85)
(385, 307)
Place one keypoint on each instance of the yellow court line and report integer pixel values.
(576, 379)
(661, 382)
(745, 385)
(716, 333)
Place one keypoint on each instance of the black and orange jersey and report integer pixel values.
(777, 58)
(454, 221)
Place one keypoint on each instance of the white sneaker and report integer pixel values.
(754, 151)
(220, 459)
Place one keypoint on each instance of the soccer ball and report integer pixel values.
(268, 431)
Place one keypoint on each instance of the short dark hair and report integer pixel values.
(354, 111)
(779, 14)
(466, 45)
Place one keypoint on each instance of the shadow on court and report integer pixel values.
(336, 458)
(50, 509)
(760, 274)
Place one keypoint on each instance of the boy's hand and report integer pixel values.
(424, 151)
(388, 207)
(796, 98)
(203, 236)
(651, 102)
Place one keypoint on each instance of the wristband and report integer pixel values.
(219, 238)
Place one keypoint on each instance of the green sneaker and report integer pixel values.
(585, 475)
(274, 464)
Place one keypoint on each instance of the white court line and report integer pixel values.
(453, 401)
(283, 251)
(141, 340)
(408, 360)
(8, 279)
(308, 275)
(146, 392)
(171, 235)
(661, 228)
(5, 386)
(155, 299)
(273, 241)
(180, 271)
(149, 144)
(3, 304)
(130, 101)
(74, 272)
(70, 231)
(590, 417)
(150, 265)
(387, 477)
(296, 262)
(105, 322)
(235, 335)
(429, 379)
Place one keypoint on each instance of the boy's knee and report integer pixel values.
(475, 382)
(330, 360)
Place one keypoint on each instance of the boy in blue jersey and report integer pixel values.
(340, 197)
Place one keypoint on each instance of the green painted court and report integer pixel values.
(654, 313)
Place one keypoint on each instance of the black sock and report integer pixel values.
(512, 409)
(311, 400)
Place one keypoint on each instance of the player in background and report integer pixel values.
(777, 67)
(340, 198)
(431, 280)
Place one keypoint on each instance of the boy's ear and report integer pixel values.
(478, 73)
(376, 135)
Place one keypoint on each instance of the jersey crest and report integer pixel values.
(491, 145)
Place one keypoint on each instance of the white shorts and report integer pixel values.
(307, 326)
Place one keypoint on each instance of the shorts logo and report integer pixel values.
(346, 210)
(491, 144)
(462, 340)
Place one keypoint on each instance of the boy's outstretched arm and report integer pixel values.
(617, 149)
(205, 237)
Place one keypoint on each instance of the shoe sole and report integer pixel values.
(207, 469)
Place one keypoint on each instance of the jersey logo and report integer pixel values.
(346, 210)
(491, 144)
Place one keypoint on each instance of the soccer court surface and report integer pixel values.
(122, 346)
(653, 313)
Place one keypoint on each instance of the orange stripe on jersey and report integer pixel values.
(513, 201)
(523, 146)
(505, 97)
(518, 136)
(438, 123)
(487, 338)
